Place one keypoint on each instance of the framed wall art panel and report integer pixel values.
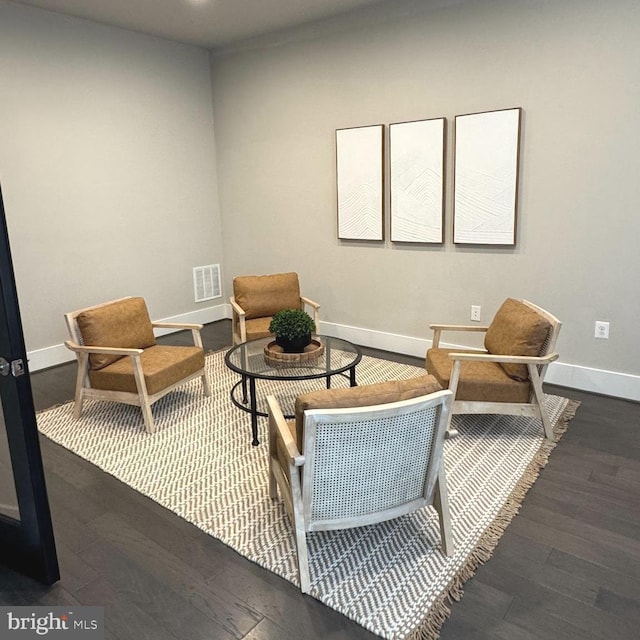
(360, 178)
(416, 151)
(487, 150)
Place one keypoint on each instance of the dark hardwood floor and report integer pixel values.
(568, 566)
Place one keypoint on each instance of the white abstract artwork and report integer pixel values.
(416, 152)
(359, 153)
(486, 177)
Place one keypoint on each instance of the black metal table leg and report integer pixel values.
(244, 389)
(247, 359)
(254, 412)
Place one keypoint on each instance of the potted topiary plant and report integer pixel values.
(293, 329)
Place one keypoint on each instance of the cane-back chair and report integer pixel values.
(358, 456)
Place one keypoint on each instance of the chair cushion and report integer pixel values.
(479, 381)
(163, 365)
(261, 296)
(258, 328)
(516, 330)
(124, 323)
(364, 396)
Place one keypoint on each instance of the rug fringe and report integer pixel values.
(429, 628)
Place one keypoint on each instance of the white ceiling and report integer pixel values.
(207, 23)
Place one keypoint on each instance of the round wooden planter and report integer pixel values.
(275, 356)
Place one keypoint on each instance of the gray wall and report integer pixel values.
(573, 68)
(112, 175)
(107, 163)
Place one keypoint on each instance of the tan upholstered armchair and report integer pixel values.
(256, 299)
(119, 360)
(506, 377)
(358, 456)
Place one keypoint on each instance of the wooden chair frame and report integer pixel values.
(140, 399)
(297, 493)
(536, 366)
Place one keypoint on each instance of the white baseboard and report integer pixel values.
(59, 354)
(201, 316)
(393, 342)
(609, 383)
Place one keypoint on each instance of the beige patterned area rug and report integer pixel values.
(391, 578)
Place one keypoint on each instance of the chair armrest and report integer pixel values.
(176, 325)
(278, 422)
(238, 328)
(315, 306)
(458, 327)
(186, 326)
(112, 351)
(439, 328)
(237, 309)
(491, 357)
(310, 302)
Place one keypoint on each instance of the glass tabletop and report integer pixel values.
(327, 357)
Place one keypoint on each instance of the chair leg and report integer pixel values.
(546, 423)
(301, 536)
(147, 416)
(273, 457)
(303, 561)
(77, 407)
(205, 385)
(453, 387)
(81, 376)
(273, 461)
(197, 341)
(538, 395)
(441, 505)
(143, 396)
(273, 485)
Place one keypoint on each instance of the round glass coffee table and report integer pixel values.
(337, 357)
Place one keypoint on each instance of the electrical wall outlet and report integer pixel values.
(475, 313)
(602, 330)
